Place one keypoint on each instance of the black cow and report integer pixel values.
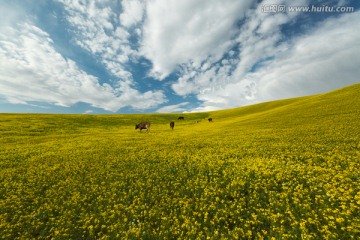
(172, 124)
(210, 119)
(143, 125)
(180, 118)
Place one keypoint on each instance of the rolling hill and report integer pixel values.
(286, 169)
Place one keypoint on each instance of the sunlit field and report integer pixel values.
(287, 169)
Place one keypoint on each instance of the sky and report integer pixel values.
(141, 56)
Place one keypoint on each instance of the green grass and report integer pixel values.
(286, 169)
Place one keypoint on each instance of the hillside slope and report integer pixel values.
(286, 169)
(339, 102)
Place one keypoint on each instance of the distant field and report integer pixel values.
(287, 169)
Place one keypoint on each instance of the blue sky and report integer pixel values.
(137, 56)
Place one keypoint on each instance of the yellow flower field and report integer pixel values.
(280, 170)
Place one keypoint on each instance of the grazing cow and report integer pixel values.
(143, 125)
(180, 118)
(172, 124)
(210, 119)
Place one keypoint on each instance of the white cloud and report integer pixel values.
(174, 108)
(259, 36)
(323, 59)
(256, 41)
(96, 28)
(33, 71)
(180, 32)
(88, 111)
(133, 11)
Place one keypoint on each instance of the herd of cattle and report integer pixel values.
(146, 125)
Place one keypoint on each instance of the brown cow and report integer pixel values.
(172, 124)
(210, 119)
(181, 118)
(143, 125)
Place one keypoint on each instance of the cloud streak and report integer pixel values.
(96, 29)
(174, 108)
(188, 32)
(314, 64)
(266, 66)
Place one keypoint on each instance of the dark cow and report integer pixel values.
(172, 124)
(210, 119)
(143, 125)
(180, 118)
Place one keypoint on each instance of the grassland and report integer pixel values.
(287, 169)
